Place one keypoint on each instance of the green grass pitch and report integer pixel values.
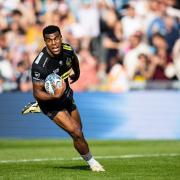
(57, 159)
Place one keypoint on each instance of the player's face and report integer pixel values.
(53, 42)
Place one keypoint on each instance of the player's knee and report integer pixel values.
(76, 133)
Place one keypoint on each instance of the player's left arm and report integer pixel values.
(75, 66)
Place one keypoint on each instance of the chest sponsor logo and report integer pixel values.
(60, 63)
(68, 62)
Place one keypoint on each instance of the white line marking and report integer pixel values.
(128, 156)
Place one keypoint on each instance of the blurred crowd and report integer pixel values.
(117, 42)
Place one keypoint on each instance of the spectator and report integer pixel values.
(6, 69)
(23, 77)
(131, 23)
(113, 42)
(7, 76)
(88, 78)
(88, 12)
(160, 61)
(176, 50)
(172, 31)
(176, 58)
(144, 69)
(136, 47)
(117, 78)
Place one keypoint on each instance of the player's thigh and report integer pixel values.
(65, 121)
(76, 116)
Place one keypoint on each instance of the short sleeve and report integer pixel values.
(37, 75)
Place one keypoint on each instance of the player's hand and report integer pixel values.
(74, 77)
(58, 91)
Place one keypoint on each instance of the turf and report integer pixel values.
(53, 159)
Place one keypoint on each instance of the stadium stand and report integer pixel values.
(116, 34)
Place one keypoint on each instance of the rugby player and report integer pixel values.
(60, 58)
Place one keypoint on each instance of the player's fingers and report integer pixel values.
(54, 85)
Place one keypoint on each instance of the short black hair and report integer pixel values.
(16, 12)
(51, 29)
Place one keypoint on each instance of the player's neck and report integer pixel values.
(49, 52)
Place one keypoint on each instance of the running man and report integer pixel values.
(60, 58)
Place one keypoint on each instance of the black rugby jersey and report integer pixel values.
(44, 64)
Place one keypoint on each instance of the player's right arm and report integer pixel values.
(40, 93)
(39, 75)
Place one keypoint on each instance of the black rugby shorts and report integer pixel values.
(52, 107)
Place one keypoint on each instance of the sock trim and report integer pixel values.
(87, 156)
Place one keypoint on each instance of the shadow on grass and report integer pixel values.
(86, 168)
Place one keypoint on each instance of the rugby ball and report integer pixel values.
(51, 82)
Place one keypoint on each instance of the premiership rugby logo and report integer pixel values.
(37, 74)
